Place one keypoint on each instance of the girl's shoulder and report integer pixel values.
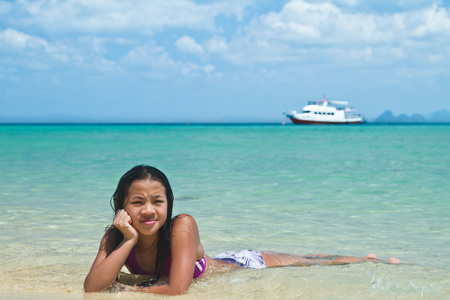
(185, 235)
(184, 222)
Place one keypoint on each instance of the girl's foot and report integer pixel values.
(371, 256)
(391, 260)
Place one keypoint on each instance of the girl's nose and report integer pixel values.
(148, 208)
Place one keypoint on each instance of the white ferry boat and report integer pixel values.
(326, 112)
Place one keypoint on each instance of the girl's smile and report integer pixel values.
(147, 206)
(149, 222)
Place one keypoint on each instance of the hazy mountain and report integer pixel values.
(417, 118)
(442, 116)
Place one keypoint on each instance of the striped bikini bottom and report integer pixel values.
(244, 258)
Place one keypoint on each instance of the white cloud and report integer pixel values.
(188, 45)
(153, 59)
(16, 39)
(312, 32)
(217, 44)
(433, 20)
(96, 44)
(209, 68)
(32, 52)
(149, 55)
(304, 22)
(324, 22)
(195, 69)
(391, 5)
(139, 16)
(105, 33)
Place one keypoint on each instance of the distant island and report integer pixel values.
(442, 116)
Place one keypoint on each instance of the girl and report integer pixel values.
(146, 239)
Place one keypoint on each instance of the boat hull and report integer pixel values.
(313, 122)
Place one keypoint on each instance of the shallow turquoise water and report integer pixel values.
(348, 190)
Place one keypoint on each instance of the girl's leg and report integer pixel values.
(274, 259)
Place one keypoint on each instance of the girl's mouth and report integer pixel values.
(148, 221)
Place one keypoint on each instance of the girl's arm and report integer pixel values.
(185, 242)
(109, 261)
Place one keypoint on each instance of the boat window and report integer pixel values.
(306, 111)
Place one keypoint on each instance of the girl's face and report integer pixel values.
(147, 206)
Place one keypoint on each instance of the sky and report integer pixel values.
(219, 60)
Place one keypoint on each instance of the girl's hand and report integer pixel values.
(123, 222)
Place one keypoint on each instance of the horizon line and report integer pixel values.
(209, 123)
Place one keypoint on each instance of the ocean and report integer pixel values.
(344, 190)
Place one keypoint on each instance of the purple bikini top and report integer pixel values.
(134, 268)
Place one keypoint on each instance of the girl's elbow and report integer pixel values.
(88, 288)
(177, 290)
(91, 287)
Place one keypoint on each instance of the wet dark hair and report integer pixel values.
(119, 198)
